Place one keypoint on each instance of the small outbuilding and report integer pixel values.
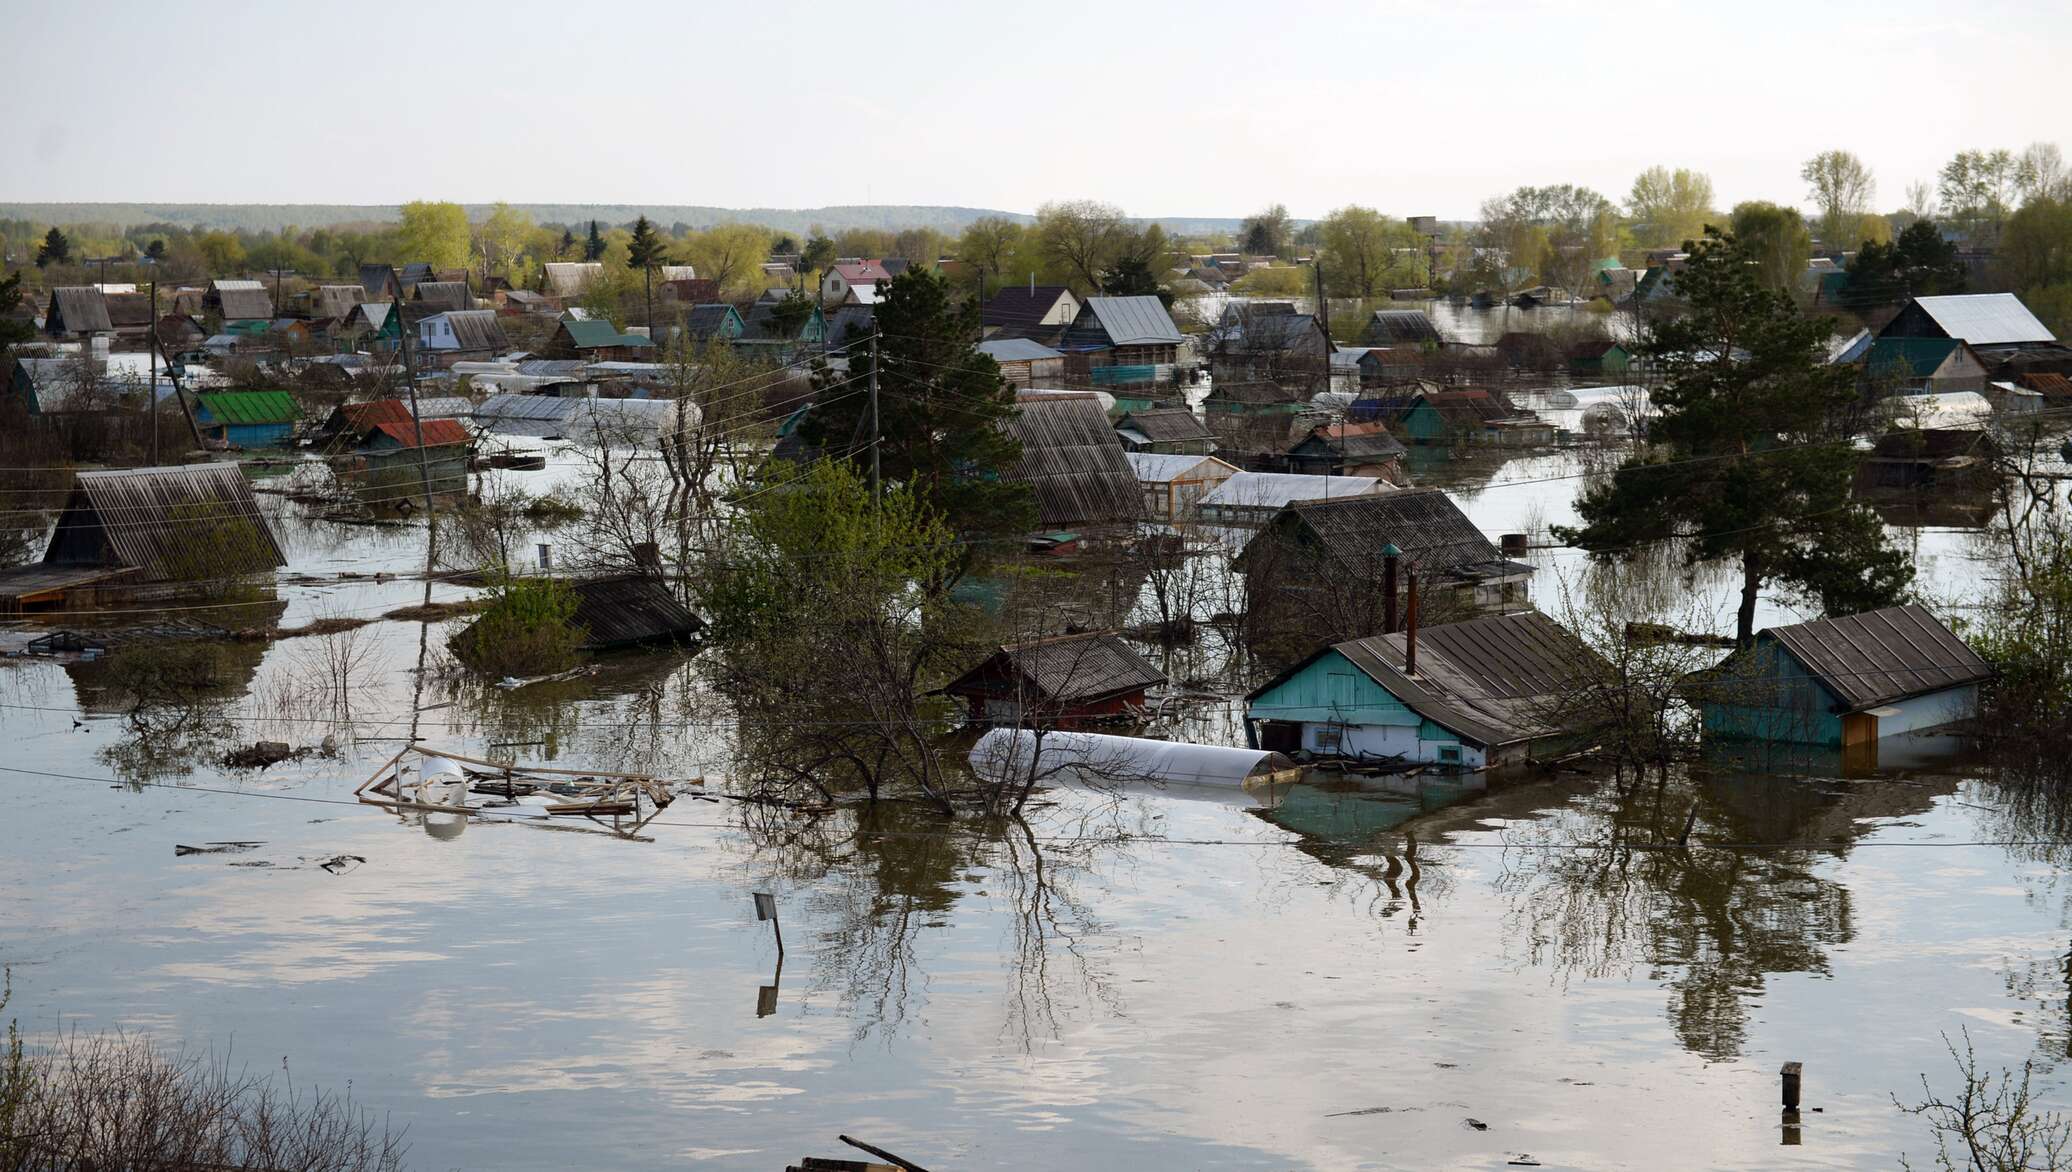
(1349, 449)
(1174, 485)
(247, 419)
(1166, 430)
(631, 610)
(1061, 681)
(1844, 682)
(1073, 462)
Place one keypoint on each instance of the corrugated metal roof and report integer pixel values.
(1073, 461)
(1020, 305)
(1985, 319)
(1161, 468)
(630, 610)
(1017, 350)
(240, 300)
(1424, 523)
(249, 406)
(1400, 327)
(170, 523)
(1067, 669)
(438, 433)
(476, 329)
(1278, 489)
(77, 309)
(1493, 680)
(442, 294)
(568, 278)
(676, 273)
(1882, 655)
(1166, 424)
(1134, 321)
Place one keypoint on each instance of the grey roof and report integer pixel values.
(380, 281)
(568, 278)
(77, 309)
(1134, 321)
(1423, 523)
(1274, 490)
(442, 294)
(153, 519)
(1398, 327)
(1166, 424)
(630, 610)
(1073, 461)
(337, 300)
(1161, 467)
(1017, 350)
(551, 416)
(707, 321)
(861, 318)
(241, 300)
(1985, 319)
(1020, 305)
(476, 329)
(1882, 655)
(1492, 680)
(676, 272)
(1068, 669)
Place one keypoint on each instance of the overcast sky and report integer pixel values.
(1202, 108)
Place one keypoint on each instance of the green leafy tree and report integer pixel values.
(1670, 207)
(1132, 277)
(1775, 239)
(1747, 459)
(818, 254)
(1359, 250)
(1978, 189)
(941, 410)
(1917, 263)
(13, 330)
(593, 248)
(2036, 248)
(434, 233)
(55, 249)
(988, 245)
(1266, 233)
(1842, 187)
(1079, 240)
(155, 251)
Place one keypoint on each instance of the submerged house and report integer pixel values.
(1349, 449)
(1934, 461)
(1167, 430)
(1844, 682)
(1061, 681)
(1286, 350)
(160, 527)
(1073, 462)
(1410, 328)
(247, 419)
(1480, 694)
(1174, 485)
(630, 610)
(386, 462)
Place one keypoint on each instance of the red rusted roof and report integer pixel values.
(438, 433)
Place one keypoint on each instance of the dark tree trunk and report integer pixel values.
(1751, 584)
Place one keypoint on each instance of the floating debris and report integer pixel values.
(215, 848)
(439, 783)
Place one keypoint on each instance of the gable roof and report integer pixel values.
(1400, 327)
(1915, 357)
(1354, 441)
(151, 518)
(77, 309)
(240, 300)
(1020, 305)
(438, 433)
(250, 406)
(336, 300)
(442, 294)
(760, 322)
(1073, 461)
(1166, 424)
(628, 610)
(1069, 669)
(1985, 319)
(568, 278)
(1881, 656)
(1424, 523)
(380, 282)
(711, 320)
(475, 329)
(598, 335)
(1489, 679)
(1132, 321)
(862, 272)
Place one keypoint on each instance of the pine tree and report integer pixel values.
(568, 243)
(941, 405)
(644, 252)
(55, 249)
(155, 251)
(1749, 458)
(593, 248)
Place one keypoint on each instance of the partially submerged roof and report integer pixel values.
(1005, 753)
(171, 523)
(1881, 656)
(1355, 441)
(630, 610)
(1985, 319)
(1073, 461)
(1493, 680)
(257, 407)
(438, 433)
(1400, 327)
(1425, 524)
(1066, 669)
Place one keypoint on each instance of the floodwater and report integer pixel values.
(1342, 974)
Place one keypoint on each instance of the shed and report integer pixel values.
(1349, 449)
(1024, 362)
(1170, 430)
(1073, 462)
(595, 340)
(387, 466)
(1844, 682)
(1401, 327)
(1096, 759)
(1174, 485)
(565, 279)
(622, 422)
(332, 302)
(1485, 693)
(178, 524)
(352, 420)
(631, 610)
(1060, 681)
(1938, 461)
(235, 301)
(77, 311)
(247, 419)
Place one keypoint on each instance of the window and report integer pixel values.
(1449, 754)
(1328, 737)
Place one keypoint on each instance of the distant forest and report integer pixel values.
(272, 217)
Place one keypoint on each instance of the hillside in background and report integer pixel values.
(269, 217)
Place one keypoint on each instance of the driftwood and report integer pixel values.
(882, 1154)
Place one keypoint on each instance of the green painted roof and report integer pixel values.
(1919, 357)
(250, 406)
(594, 334)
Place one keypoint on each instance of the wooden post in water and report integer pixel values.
(1790, 1079)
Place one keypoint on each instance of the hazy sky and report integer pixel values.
(1202, 108)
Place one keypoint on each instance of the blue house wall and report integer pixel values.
(1332, 696)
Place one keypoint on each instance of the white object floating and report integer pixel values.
(1005, 753)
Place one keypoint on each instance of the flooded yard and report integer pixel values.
(1338, 973)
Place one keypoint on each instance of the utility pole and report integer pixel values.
(877, 488)
(151, 389)
(424, 461)
(1323, 307)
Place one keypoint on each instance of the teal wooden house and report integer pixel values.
(247, 419)
(1844, 683)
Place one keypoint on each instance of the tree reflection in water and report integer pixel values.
(1600, 887)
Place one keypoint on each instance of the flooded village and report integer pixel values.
(1585, 684)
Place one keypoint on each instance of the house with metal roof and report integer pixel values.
(595, 340)
(1063, 681)
(76, 311)
(1844, 682)
(442, 295)
(1401, 327)
(1073, 462)
(165, 525)
(1174, 485)
(463, 331)
(565, 279)
(1256, 498)
(1932, 463)
(853, 282)
(1171, 430)
(1911, 365)
(1981, 319)
(1486, 693)
(247, 419)
(1287, 350)
(392, 459)
(1025, 362)
(238, 301)
(1015, 308)
(618, 422)
(713, 321)
(1349, 449)
(1127, 340)
(379, 282)
(372, 321)
(332, 302)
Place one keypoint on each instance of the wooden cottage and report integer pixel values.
(1022, 311)
(1411, 328)
(781, 331)
(1486, 693)
(247, 419)
(1127, 341)
(385, 463)
(130, 314)
(1286, 350)
(1844, 683)
(238, 301)
(1058, 682)
(380, 283)
(439, 296)
(335, 302)
(463, 331)
(1168, 430)
(1025, 363)
(1073, 462)
(165, 526)
(1903, 365)
(1174, 485)
(595, 341)
(1930, 462)
(1349, 449)
(710, 322)
(76, 311)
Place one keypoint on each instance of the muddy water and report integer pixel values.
(1188, 979)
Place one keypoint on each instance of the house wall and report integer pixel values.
(1775, 701)
(1935, 710)
(1342, 711)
